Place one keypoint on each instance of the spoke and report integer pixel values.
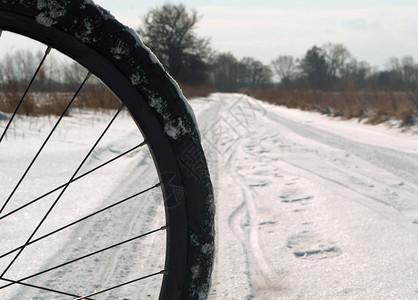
(47, 51)
(81, 220)
(85, 256)
(44, 143)
(163, 272)
(63, 191)
(43, 288)
(75, 179)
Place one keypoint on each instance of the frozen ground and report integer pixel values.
(110, 184)
(308, 207)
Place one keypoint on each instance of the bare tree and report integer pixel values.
(357, 73)
(285, 67)
(73, 74)
(336, 56)
(253, 74)
(403, 73)
(169, 32)
(225, 72)
(18, 66)
(393, 64)
(409, 72)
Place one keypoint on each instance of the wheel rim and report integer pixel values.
(168, 170)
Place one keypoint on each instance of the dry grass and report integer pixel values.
(376, 107)
(195, 91)
(95, 96)
(53, 103)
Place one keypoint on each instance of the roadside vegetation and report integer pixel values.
(373, 107)
(327, 79)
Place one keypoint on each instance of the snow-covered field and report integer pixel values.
(308, 207)
(112, 183)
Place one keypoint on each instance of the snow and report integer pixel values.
(138, 78)
(174, 128)
(119, 50)
(3, 117)
(52, 11)
(85, 34)
(140, 44)
(110, 184)
(308, 207)
(188, 106)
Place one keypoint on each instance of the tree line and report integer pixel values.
(332, 67)
(51, 89)
(169, 31)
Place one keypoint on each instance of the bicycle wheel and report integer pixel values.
(92, 37)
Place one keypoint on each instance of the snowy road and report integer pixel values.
(309, 207)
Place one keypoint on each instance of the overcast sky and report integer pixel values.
(373, 30)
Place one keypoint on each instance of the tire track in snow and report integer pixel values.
(402, 164)
(109, 228)
(356, 171)
(307, 243)
(255, 278)
(377, 205)
(263, 278)
(140, 214)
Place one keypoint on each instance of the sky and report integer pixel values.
(372, 30)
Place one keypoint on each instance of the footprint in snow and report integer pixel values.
(308, 245)
(296, 199)
(259, 185)
(3, 117)
(267, 223)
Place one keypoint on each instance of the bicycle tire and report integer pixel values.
(114, 53)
